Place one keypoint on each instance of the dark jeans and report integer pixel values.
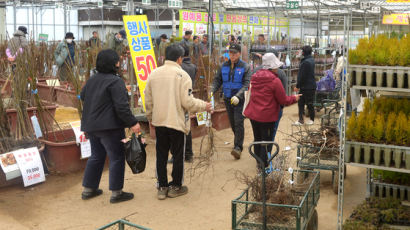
(188, 146)
(103, 143)
(262, 131)
(307, 99)
(236, 119)
(170, 139)
(276, 124)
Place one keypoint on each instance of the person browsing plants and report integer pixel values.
(64, 55)
(264, 107)
(106, 112)
(234, 77)
(168, 101)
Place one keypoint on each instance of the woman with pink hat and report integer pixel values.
(266, 96)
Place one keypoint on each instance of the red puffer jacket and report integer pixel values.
(267, 94)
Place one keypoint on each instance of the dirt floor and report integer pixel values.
(57, 204)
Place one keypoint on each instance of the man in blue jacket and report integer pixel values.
(234, 77)
(307, 84)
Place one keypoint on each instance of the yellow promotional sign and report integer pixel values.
(142, 51)
(396, 19)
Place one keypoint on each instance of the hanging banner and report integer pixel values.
(30, 165)
(396, 19)
(227, 23)
(142, 51)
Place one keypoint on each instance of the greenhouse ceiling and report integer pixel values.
(308, 7)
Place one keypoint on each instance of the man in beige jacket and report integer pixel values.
(168, 101)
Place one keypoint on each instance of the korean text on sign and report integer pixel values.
(30, 165)
(142, 52)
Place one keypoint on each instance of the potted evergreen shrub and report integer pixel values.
(378, 135)
(391, 119)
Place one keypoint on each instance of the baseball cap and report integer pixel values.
(123, 34)
(23, 29)
(235, 48)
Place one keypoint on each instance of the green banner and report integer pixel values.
(43, 37)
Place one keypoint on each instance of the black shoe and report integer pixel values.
(236, 153)
(170, 161)
(89, 195)
(189, 158)
(124, 196)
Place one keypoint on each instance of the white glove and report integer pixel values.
(234, 100)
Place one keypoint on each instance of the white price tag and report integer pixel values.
(30, 165)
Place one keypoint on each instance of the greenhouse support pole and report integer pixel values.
(41, 19)
(129, 67)
(340, 200)
(32, 21)
(274, 29)
(210, 27)
(301, 21)
(318, 32)
(89, 24)
(102, 21)
(364, 25)
(69, 21)
(174, 24)
(54, 23)
(65, 17)
(268, 42)
(28, 20)
(14, 16)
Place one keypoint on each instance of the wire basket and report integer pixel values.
(246, 213)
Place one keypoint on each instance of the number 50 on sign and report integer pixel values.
(142, 51)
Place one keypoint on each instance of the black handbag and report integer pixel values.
(135, 154)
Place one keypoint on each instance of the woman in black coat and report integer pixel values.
(106, 113)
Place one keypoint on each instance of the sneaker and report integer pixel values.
(175, 191)
(236, 152)
(124, 196)
(298, 123)
(309, 122)
(89, 195)
(189, 158)
(162, 193)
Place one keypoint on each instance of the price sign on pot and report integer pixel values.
(81, 139)
(30, 165)
(141, 49)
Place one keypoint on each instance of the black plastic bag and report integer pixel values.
(135, 154)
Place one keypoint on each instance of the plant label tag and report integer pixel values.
(36, 126)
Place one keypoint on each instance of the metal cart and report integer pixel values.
(321, 158)
(305, 214)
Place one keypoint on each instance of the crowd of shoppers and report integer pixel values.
(169, 101)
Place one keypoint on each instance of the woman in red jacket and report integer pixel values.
(267, 95)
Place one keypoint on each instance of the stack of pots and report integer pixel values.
(380, 76)
(377, 154)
